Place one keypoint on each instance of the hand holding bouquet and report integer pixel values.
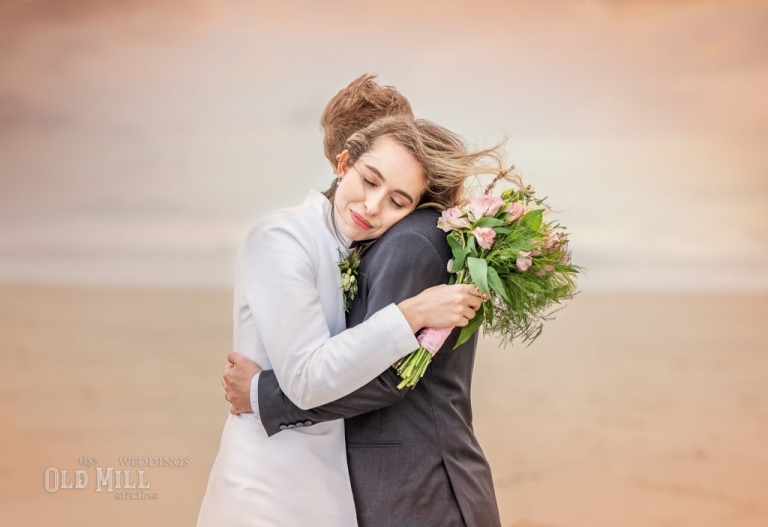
(503, 246)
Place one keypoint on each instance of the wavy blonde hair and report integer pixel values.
(446, 160)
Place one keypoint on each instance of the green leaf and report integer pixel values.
(532, 219)
(459, 253)
(478, 270)
(496, 284)
(487, 221)
(502, 230)
(472, 246)
(468, 330)
(508, 194)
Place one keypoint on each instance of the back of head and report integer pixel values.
(355, 107)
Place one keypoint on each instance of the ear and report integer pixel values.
(342, 165)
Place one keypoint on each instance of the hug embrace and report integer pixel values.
(319, 432)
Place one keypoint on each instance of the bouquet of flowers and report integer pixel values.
(503, 246)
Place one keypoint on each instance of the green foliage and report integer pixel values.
(532, 219)
(478, 270)
(473, 325)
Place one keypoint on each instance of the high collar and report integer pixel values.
(323, 207)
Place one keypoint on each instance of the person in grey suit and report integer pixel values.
(413, 456)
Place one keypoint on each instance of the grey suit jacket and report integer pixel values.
(413, 456)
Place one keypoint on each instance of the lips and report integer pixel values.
(360, 222)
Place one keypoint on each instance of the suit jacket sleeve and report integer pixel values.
(407, 264)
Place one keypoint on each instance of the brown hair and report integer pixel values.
(446, 160)
(355, 107)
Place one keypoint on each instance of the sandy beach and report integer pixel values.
(140, 140)
(630, 410)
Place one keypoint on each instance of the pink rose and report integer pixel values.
(524, 260)
(516, 209)
(485, 236)
(483, 206)
(451, 220)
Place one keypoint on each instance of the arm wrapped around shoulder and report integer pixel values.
(406, 264)
(311, 366)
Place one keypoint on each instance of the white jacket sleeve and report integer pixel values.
(312, 367)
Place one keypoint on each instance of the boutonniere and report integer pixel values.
(349, 276)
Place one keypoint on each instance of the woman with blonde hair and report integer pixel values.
(289, 318)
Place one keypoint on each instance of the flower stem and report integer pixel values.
(412, 367)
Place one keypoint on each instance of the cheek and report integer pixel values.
(348, 194)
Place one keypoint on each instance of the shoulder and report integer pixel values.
(418, 230)
(288, 227)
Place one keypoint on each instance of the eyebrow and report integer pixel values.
(376, 171)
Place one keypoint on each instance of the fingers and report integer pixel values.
(472, 290)
(474, 302)
(240, 361)
(234, 357)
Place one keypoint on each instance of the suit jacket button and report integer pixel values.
(307, 423)
(283, 427)
(291, 426)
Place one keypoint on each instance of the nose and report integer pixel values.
(372, 203)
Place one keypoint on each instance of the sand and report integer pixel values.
(630, 410)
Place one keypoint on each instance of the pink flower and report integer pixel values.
(483, 206)
(485, 236)
(451, 220)
(516, 209)
(545, 270)
(524, 260)
(553, 239)
(450, 265)
(432, 339)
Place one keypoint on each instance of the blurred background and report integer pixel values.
(139, 140)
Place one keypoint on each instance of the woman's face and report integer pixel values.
(380, 189)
